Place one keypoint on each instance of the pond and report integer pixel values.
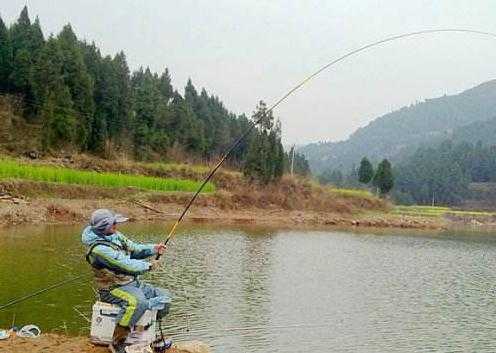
(261, 290)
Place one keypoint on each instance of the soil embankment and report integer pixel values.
(53, 343)
(293, 202)
(64, 211)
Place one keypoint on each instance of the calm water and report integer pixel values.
(256, 290)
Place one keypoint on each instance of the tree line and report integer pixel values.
(380, 179)
(89, 102)
(439, 174)
(442, 174)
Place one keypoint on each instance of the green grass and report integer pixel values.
(14, 170)
(433, 211)
(359, 193)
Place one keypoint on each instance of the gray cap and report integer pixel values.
(103, 219)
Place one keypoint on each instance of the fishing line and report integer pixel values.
(297, 87)
(43, 290)
(236, 143)
(255, 328)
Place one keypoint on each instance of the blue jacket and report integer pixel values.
(126, 257)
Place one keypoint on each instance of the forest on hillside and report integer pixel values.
(439, 148)
(467, 116)
(442, 174)
(439, 174)
(88, 102)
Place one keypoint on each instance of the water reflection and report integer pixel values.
(258, 290)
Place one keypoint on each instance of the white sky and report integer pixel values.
(247, 50)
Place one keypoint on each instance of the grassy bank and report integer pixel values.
(10, 169)
(433, 211)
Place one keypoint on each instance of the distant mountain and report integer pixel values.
(470, 115)
(484, 131)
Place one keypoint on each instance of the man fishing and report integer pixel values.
(117, 262)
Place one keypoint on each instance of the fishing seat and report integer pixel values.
(104, 320)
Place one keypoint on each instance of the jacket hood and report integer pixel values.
(89, 237)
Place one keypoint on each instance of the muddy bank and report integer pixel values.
(17, 211)
(53, 343)
(293, 202)
(50, 343)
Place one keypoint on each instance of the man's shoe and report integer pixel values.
(117, 348)
(160, 346)
(118, 339)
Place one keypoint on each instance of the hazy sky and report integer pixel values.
(247, 50)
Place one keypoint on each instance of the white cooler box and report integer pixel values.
(104, 320)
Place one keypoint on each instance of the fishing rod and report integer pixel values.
(43, 290)
(236, 143)
(294, 89)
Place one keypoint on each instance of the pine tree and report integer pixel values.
(187, 128)
(165, 86)
(366, 171)
(265, 156)
(37, 40)
(145, 101)
(383, 178)
(255, 164)
(79, 82)
(191, 95)
(47, 70)
(58, 119)
(123, 82)
(5, 57)
(238, 126)
(21, 73)
(20, 32)
(27, 42)
(276, 153)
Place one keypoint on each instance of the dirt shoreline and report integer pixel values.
(291, 203)
(55, 343)
(76, 211)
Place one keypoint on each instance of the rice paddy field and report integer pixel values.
(351, 193)
(14, 170)
(433, 211)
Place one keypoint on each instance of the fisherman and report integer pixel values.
(117, 262)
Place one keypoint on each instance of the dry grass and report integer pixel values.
(298, 194)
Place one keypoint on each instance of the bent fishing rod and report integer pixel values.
(236, 142)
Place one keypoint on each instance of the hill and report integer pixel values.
(461, 116)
